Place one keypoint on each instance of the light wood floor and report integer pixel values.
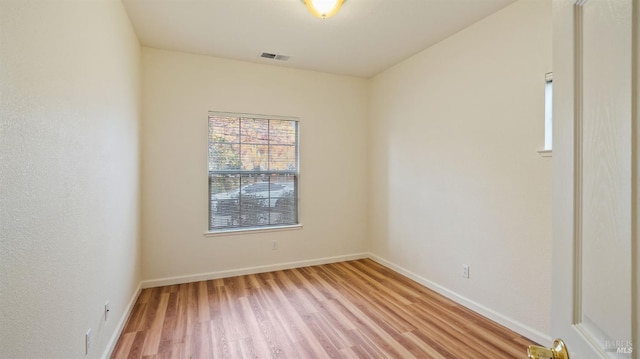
(355, 309)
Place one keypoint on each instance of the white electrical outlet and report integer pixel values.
(274, 245)
(107, 309)
(87, 341)
(465, 271)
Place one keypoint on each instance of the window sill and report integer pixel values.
(545, 153)
(229, 232)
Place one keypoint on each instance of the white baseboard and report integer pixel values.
(250, 270)
(501, 319)
(111, 345)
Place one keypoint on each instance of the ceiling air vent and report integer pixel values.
(271, 56)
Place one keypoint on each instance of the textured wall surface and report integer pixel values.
(69, 175)
(455, 174)
(179, 90)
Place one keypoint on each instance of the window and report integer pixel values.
(253, 171)
(548, 112)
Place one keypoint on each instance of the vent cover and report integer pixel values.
(272, 56)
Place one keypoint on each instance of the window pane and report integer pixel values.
(254, 131)
(224, 129)
(224, 156)
(284, 200)
(224, 183)
(254, 200)
(283, 158)
(254, 157)
(223, 206)
(282, 132)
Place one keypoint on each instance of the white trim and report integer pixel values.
(251, 230)
(253, 115)
(499, 318)
(548, 111)
(249, 270)
(111, 345)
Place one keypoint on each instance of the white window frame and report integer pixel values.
(548, 116)
(258, 228)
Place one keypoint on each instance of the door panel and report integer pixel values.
(593, 285)
(604, 300)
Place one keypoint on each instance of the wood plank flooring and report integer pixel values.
(355, 309)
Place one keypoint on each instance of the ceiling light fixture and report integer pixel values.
(323, 9)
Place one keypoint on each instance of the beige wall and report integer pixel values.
(455, 176)
(69, 85)
(179, 90)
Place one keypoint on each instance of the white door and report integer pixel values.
(595, 169)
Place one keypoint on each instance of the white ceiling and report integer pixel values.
(363, 39)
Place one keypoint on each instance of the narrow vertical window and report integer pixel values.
(253, 171)
(548, 112)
